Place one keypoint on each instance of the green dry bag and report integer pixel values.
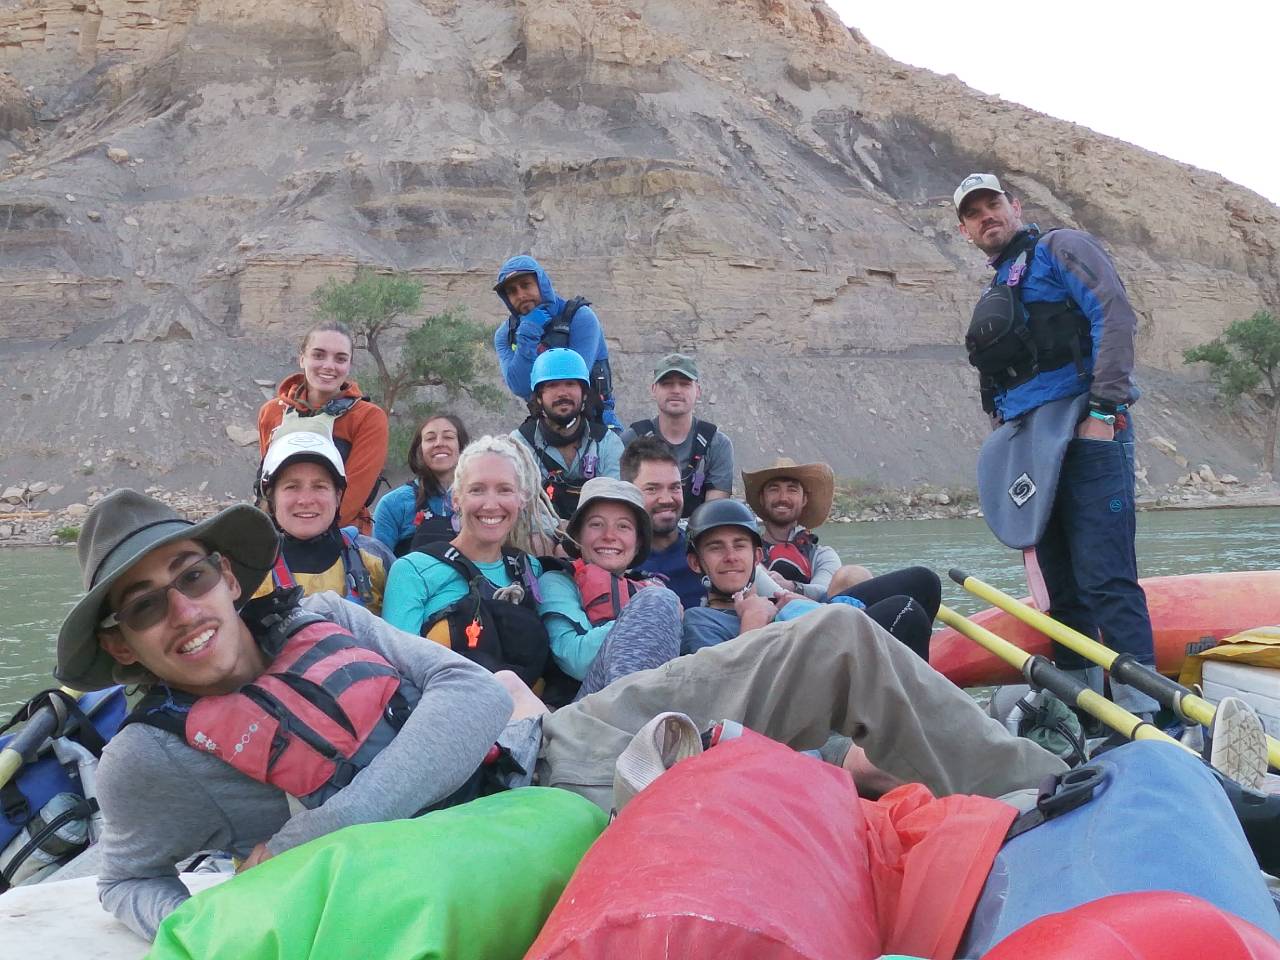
(473, 881)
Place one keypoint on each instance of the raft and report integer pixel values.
(1189, 614)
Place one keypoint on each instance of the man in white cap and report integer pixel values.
(702, 450)
(1053, 341)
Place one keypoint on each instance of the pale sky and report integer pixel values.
(1194, 81)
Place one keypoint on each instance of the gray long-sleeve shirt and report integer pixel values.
(163, 801)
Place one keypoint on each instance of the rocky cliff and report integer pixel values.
(747, 179)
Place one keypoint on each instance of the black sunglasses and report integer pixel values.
(148, 609)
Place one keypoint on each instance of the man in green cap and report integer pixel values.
(703, 452)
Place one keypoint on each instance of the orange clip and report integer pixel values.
(473, 634)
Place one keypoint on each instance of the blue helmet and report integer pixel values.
(558, 363)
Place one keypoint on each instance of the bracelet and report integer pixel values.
(1107, 406)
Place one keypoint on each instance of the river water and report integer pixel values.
(39, 585)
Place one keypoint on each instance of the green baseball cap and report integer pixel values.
(676, 363)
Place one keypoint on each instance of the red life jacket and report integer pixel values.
(793, 559)
(322, 710)
(604, 594)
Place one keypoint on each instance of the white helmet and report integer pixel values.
(300, 445)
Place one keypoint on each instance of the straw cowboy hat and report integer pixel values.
(121, 529)
(817, 479)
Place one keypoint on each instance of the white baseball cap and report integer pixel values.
(974, 182)
(300, 445)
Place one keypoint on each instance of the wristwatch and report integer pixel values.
(1108, 418)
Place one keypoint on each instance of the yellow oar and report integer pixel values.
(1042, 674)
(1123, 667)
(27, 740)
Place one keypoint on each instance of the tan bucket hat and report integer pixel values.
(617, 491)
(121, 529)
(817, 479)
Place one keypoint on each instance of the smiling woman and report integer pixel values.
(323, 398)
(586, 604)
(488, 599)
(478, 592)
(302, 481)
(421, 511)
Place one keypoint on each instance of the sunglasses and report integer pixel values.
(148, 609)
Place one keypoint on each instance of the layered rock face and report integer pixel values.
(746, 179)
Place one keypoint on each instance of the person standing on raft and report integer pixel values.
(323, 394)
(1053, 341)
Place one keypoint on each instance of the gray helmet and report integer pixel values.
(602, 489)
(721, 513)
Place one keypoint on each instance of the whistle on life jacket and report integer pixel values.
(472, 632)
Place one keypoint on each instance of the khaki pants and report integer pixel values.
(833, 669)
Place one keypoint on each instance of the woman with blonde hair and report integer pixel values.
(479, 593)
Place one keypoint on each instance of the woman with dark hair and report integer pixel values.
(322, 398)
(423, 505)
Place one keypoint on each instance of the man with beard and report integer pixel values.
(792, 499)
(569, 445)
(539, 320)
(1053, 338)
(703, 452)
(649, 463)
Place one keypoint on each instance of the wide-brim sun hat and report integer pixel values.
(120, 530)
(817, 479)
(608, 490)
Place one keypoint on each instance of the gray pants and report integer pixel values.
(646, 634)
(833, 669)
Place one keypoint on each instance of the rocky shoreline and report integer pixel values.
(25, 520)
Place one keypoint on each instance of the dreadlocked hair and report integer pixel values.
(538, 518)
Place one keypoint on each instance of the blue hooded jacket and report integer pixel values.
(585, 334)
(1071, 265)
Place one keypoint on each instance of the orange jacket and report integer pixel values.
(360, 435)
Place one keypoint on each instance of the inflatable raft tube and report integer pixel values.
(63, 920)
(1189, 613)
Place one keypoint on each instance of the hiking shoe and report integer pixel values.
(658, 746)
(1238, 747)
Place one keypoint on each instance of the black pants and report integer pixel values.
(904, 602)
